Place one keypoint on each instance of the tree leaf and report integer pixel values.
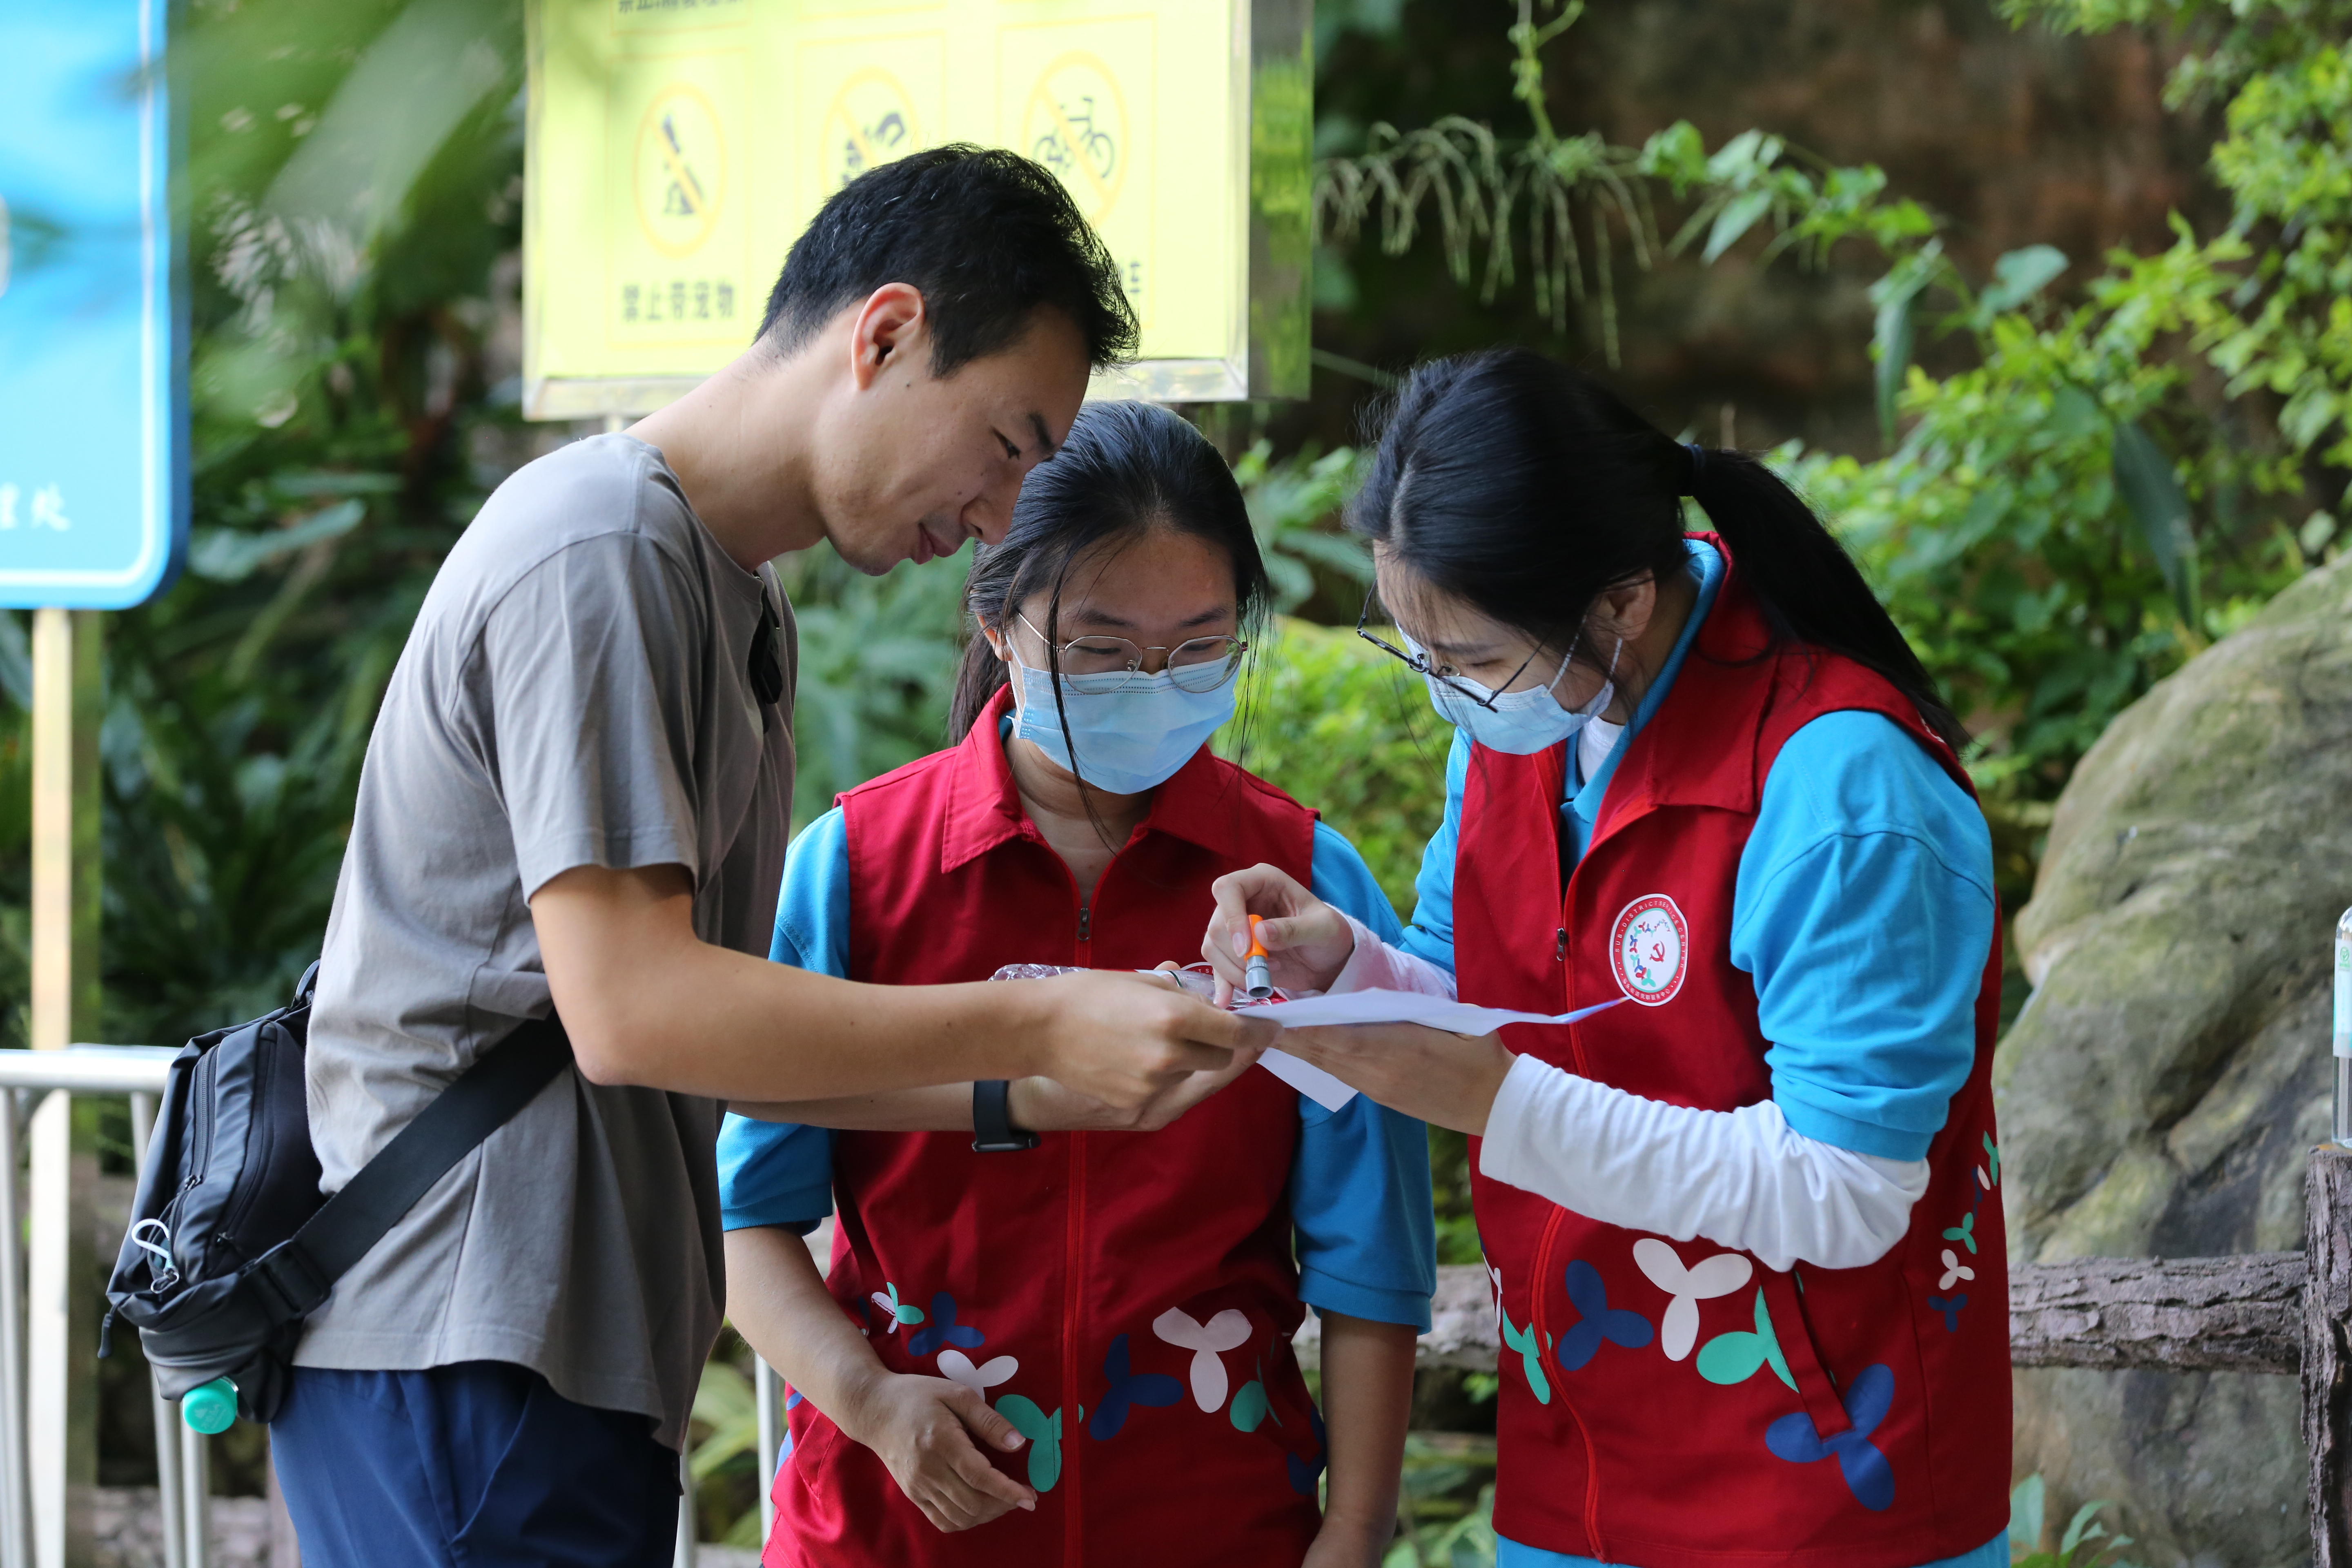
(1738, 217)
(2017, 278)
(2149, 489)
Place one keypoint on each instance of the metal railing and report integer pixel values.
(33, 1423)
(34, 1419)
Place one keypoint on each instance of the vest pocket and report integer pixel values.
(1785, 1299)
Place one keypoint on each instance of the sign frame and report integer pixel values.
(158, 547)
(1270, 175)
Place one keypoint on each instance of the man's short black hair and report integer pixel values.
(986, 235)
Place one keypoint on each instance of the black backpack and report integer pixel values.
(230, 1246)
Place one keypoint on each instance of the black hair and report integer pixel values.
(1126, 468)
(986, 237)
(1528, 490)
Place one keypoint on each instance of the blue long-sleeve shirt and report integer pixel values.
(1359, 1189)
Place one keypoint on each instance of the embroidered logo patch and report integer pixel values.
(1650, 950)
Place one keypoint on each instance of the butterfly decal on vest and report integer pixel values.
(1703, 1281)
(895, 1310)
(1867, 1399)
(1304, 1473)
(1597, 1321)
(1149, 1389)
(1045, 1435)
(944, 1329)
(1522, 1341)
(1229, 1330)
(956, 1367)
(1736, 1357)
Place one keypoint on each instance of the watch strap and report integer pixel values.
(992, 1120)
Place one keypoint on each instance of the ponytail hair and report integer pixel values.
(1528, 490)
(1126, 468)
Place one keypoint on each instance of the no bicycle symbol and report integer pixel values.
(1076, 124)
(681, 170)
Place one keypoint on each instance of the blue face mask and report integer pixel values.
(1523, 722)
(1128, 740)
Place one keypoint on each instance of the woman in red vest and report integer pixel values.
(1064, 1340)
(1743, 1224)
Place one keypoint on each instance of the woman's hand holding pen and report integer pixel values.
(1307, 942)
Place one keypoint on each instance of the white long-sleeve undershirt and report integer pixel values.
(1741, 1179)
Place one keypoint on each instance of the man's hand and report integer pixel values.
(1446, 1080)
(1307, 942)
(923, 1430)
(1128, 1041)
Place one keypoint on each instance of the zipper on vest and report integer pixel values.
(1073, 1336)
(1539, 1325)
(1559, 947)
(1086, 923)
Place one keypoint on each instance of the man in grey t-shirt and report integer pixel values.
(577, 795)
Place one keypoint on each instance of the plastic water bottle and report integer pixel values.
(210, 1407)
(2344, 1029)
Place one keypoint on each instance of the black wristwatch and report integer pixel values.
(992, 1120)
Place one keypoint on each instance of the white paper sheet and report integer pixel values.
(1384, 1007)
(1307, 1079)
(1409, 1008)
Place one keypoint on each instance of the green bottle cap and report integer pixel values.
(210, 1407)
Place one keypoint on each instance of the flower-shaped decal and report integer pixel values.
(1304, 1473)
(895, 1310)
(944, 1329)
(1954, 1270)
(1713, 1276)
(1950, 1307)
(1965, 1233)
(1229, 1330)
(1150, 1389)
(1531, 1356)
(1045, 1435)
(1734, 1358)
(1596, 1321)
(1796, 1440)
(956, 1367)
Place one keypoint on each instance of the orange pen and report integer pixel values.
(1259, 980)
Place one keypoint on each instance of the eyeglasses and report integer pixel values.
(1419, 663)
(1097, 665)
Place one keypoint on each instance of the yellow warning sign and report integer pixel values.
(676, 148)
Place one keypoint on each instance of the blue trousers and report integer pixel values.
(480, 1464)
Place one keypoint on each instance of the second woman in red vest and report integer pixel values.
(1039, 1346)
(1744, 1225)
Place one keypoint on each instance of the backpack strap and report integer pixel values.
(295, 1275)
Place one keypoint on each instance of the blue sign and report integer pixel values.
(93, 354)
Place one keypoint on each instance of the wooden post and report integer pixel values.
(61, 1340)
(2328, 1353)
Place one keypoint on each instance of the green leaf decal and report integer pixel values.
(1250, 1406)
(1734, 1358)
(1045, 1435)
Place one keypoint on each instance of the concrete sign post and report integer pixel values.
(93, 516)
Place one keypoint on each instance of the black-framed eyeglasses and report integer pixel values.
(1419, 663)
(1096, 664)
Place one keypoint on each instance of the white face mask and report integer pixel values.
(1128, 740)
(1523, 722)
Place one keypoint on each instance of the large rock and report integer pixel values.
(2159, 1091)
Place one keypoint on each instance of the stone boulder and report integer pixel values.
(2159, 1091)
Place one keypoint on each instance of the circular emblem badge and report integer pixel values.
(1650, 950)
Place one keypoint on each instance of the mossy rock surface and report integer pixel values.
(2160, 1089)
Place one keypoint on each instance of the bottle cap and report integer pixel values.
(210, 1407)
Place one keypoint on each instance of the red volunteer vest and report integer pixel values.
(1676, 1404)
(1126, 1300)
